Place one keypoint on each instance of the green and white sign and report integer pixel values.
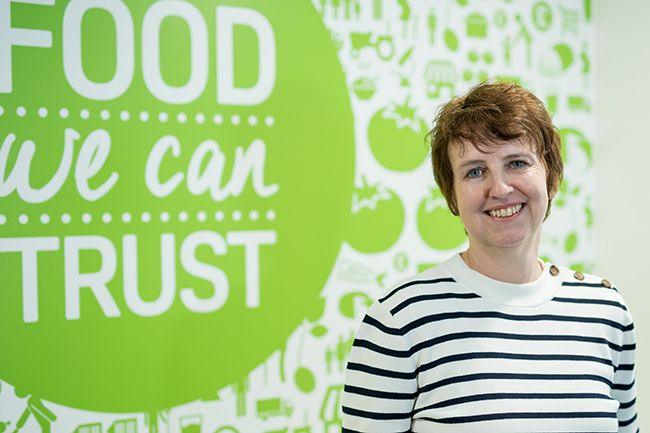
(170, 209)
(199, 199)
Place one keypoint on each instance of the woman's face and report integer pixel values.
(501, 195)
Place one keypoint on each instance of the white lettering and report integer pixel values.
(197, 299)
(18, 179)
(210, 178)
(157, 188)
(206, 167)
(96, 281)
(202, 270)
(250, 163)
(10, 36)
(72, 62)
(227, 18)
(91, 159)
(168, 277)
(151, 51)
(29, 248)
(251, 240)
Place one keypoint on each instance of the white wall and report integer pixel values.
(622, 209)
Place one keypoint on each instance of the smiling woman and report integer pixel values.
(495, 339)
(502, 200)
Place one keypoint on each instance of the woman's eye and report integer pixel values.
(475, 172)
(518, 163)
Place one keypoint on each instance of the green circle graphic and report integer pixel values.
(396, 136)
(260, 209)
(377, 218)
(438, 227)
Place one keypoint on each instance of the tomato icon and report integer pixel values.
(396, 137)
(438, 227)
(377, 218)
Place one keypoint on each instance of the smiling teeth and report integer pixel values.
(502, 213)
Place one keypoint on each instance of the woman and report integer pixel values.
(494, 339)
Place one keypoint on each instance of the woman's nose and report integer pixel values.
(499, 185)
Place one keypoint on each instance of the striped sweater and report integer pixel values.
(452, 350)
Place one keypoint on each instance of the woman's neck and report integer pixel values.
(512, 265)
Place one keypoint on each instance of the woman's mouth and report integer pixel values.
(507, 212)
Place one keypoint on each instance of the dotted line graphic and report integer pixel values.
(145, 116)
(146, 217)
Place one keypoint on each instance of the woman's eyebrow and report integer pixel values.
(518, 155)
(481, 161)
(471, 162)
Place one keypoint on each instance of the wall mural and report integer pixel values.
(199, 199)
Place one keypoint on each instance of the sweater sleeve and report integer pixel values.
(380, 384)
(624, 386)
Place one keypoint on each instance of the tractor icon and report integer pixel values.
(383, 44)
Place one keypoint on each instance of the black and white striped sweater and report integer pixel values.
(452, 350)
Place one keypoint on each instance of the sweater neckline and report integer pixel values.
(530, 294)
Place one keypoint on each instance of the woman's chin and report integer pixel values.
(504, 240)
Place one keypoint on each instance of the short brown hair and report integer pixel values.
(488, 114)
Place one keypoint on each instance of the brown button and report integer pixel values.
(606, 283)
(554, 270)
(579, 276)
